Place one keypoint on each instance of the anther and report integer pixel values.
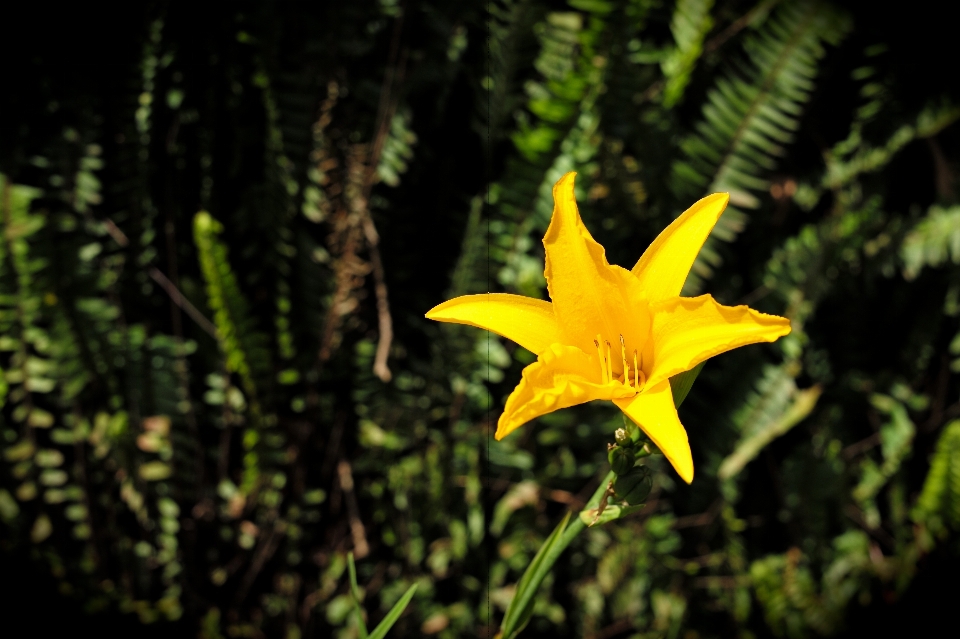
(636, 371)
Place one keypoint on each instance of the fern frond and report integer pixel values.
(776, 407)
(847, 163)
(554, 102)
(751, 116)
(397, 149)
(896, 438)
(243, 346)
(690, 24)
(559, 137)
(25, 299)
(508, 23)
(932, 242)
(938, 506)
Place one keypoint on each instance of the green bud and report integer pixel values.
(621, 459)
(633, 486)
(622, 437)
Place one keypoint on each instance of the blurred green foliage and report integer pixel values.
(216, 255)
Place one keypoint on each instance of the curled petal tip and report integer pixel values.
(565, 183)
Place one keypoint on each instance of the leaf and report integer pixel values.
(40, 418)
(42, 528)
(8, 506)
(154, 471)
(384, 626)
(20, 451)
(521, 606)
(681, 384)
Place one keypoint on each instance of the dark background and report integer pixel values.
(88, 62)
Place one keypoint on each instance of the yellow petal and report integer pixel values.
(663, 267)
(689, 330)
(527, 321)
(590, 296)
(562, 376)
(655, 414)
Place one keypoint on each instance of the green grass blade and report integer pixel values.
(384, 626)
(521, 606)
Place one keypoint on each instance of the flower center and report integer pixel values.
(633, 378)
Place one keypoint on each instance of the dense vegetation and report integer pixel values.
(222, 227)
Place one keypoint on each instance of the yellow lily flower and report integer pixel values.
(614, 334)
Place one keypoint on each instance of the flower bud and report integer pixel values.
(622, 437)
(621, 459)
(633, 486)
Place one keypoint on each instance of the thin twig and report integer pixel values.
(169, 288)
(566, 497)
(360, 546)
(80, 464)
(942, 172)
(387, 108)
(388, 102)
(703, 519)
(384, 320)
(345, 274)
(265, 549)
(877, 533)
(717, 581)
(178, 298)
(861, 446)
(939, 396)
(176, 321)
(361, 175)
(737, 26)
(617, 627)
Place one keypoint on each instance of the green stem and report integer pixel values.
(574, 528)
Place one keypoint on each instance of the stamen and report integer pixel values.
(636, 371)
(623, 356)
(603, 369)
(609, 361)
(641, 375)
